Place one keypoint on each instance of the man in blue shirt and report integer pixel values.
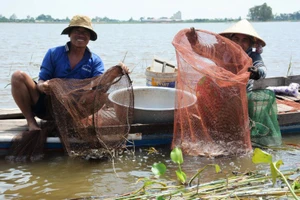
(74, 60)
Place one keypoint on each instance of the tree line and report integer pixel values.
(257, 13)
(264, 13)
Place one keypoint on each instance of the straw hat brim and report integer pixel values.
(67, 30)
(243, 27)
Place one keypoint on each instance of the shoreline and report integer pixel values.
(162, 22)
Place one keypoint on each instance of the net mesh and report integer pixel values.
(214, 69)
(265, 130)
(83, 116)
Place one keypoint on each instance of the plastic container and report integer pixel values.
(160, 79)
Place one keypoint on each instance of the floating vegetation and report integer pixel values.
(273, 184)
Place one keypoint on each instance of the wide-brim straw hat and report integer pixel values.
(81, 21)
(243, 27)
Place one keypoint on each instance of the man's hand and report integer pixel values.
(124, 68)
(43, 86)
(253, 73)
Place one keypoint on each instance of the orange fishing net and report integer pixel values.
(214, 69)
(83, 117)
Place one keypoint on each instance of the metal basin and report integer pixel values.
(152, 104)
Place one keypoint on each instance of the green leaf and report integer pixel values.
(278, 163)
(274, 170)
(160, 198)
(296, 185)
(218, 169)
(181, 176)
(273, 173)
(260, 156)
(148, 182)
(176, 155)
(158, 169)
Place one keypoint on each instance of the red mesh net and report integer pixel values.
(214, 69)
(83, 116)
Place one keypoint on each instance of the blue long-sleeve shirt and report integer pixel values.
(259, 64)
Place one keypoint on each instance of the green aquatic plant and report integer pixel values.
(176, 155)
(253, 185)
(260, 156)
(158, 169)
(177, 158)
(217, 169)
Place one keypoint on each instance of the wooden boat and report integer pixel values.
(13, 123)
(288, 106)
(143, 135)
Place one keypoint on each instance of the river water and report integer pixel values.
(58, 176)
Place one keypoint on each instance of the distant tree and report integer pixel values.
(201, 20)
(288, 17)
(29, 19)
(13, 17)
(96, 19)
(260, 13)
(297, 15)
(46, 18)
(3, 19)
(105, 19)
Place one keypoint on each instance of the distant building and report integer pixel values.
(175, 18)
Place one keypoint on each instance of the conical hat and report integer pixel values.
(243, 27)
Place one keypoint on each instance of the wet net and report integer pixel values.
(265, 130)
(84, 117)
(214, 70)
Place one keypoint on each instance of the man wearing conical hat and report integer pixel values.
(245, 35)
(71, 61)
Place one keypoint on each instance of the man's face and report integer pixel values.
(242, 40)
(80, 37)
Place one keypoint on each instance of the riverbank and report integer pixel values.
(145, 22)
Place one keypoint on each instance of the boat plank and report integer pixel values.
(11, 113)
(21, 125)
(297, 99)
(276, 81)
(14, 124)
(283, 97)
(273, 81)
(292, 79)
(282, 108)
(288, 118)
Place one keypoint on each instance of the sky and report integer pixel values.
(126, 9)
